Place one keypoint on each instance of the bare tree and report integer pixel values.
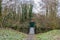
(0, 7)
(51, 11)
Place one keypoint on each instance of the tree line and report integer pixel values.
(19, 19)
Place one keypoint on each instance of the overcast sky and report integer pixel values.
(37, 7)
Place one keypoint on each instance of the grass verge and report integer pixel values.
(9, 34)
(51, 35)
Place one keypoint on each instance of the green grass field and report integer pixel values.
(9, 34)
(51, 35)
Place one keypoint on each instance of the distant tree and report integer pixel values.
(0, 13)
(30, 11)
(46, 2)
(51, 12)
(24, 11)
(0, 7)
(53, 9)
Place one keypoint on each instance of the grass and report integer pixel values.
(51, 35)
(9, 34)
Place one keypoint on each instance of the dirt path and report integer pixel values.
(30, 37)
